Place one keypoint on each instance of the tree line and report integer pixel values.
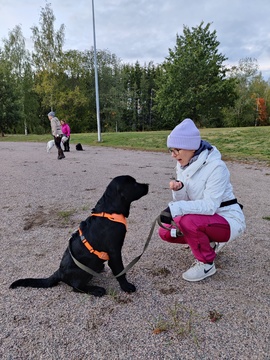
(193, 81)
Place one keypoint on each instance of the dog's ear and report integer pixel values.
(124, 194)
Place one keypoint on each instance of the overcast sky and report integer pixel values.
(144, 30)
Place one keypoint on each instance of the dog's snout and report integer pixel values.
(146, 188)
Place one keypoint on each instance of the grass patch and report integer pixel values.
(163, 271)
(180, 322)
(240, 144)
(119, 298)
(65, 215)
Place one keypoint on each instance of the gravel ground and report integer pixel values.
(43, 201)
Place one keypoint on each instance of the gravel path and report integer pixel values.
(43, 201)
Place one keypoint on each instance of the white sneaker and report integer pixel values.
(199, 271)
(217, 246)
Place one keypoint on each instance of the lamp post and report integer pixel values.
(96, 74)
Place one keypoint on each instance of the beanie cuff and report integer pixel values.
(185, 143)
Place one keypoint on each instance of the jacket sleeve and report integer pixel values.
(180, 194)
(209, 196)
(54, 128)
(66, 130)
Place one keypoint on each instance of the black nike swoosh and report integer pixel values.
(206, 271)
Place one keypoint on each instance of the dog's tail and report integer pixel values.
(51, 281)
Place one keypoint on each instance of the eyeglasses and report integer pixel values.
(174, 151)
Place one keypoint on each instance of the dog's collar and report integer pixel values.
(113, 217)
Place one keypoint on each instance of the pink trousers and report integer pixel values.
(199, 231)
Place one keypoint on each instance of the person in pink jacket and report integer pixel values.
(66, 131)
(204, 212)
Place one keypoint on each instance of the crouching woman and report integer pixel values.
(204, 212)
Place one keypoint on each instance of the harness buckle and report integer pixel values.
(102, 255)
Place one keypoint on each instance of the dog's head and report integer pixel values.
(120, 193)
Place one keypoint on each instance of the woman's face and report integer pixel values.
(182, 156)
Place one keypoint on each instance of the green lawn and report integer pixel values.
(243, 144)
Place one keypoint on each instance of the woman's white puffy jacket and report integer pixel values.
(206, 185)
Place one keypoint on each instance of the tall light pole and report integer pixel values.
(96, 74)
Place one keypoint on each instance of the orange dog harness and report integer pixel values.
(113, 217)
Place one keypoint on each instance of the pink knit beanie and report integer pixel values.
(184, 136)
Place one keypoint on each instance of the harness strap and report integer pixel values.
(80, 265)
(101, 254)
(113, 217)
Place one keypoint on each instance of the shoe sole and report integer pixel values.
(211, 272)
(220, 247)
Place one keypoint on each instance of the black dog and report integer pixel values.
(103, 234)
(79, 147)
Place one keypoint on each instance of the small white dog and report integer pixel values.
(50, 144)
(64, 139)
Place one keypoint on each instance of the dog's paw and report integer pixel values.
(97, 291)
(91, 290)
(128, 287)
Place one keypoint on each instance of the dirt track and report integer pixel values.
(43, 201)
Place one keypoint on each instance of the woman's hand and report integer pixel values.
(176, 185)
